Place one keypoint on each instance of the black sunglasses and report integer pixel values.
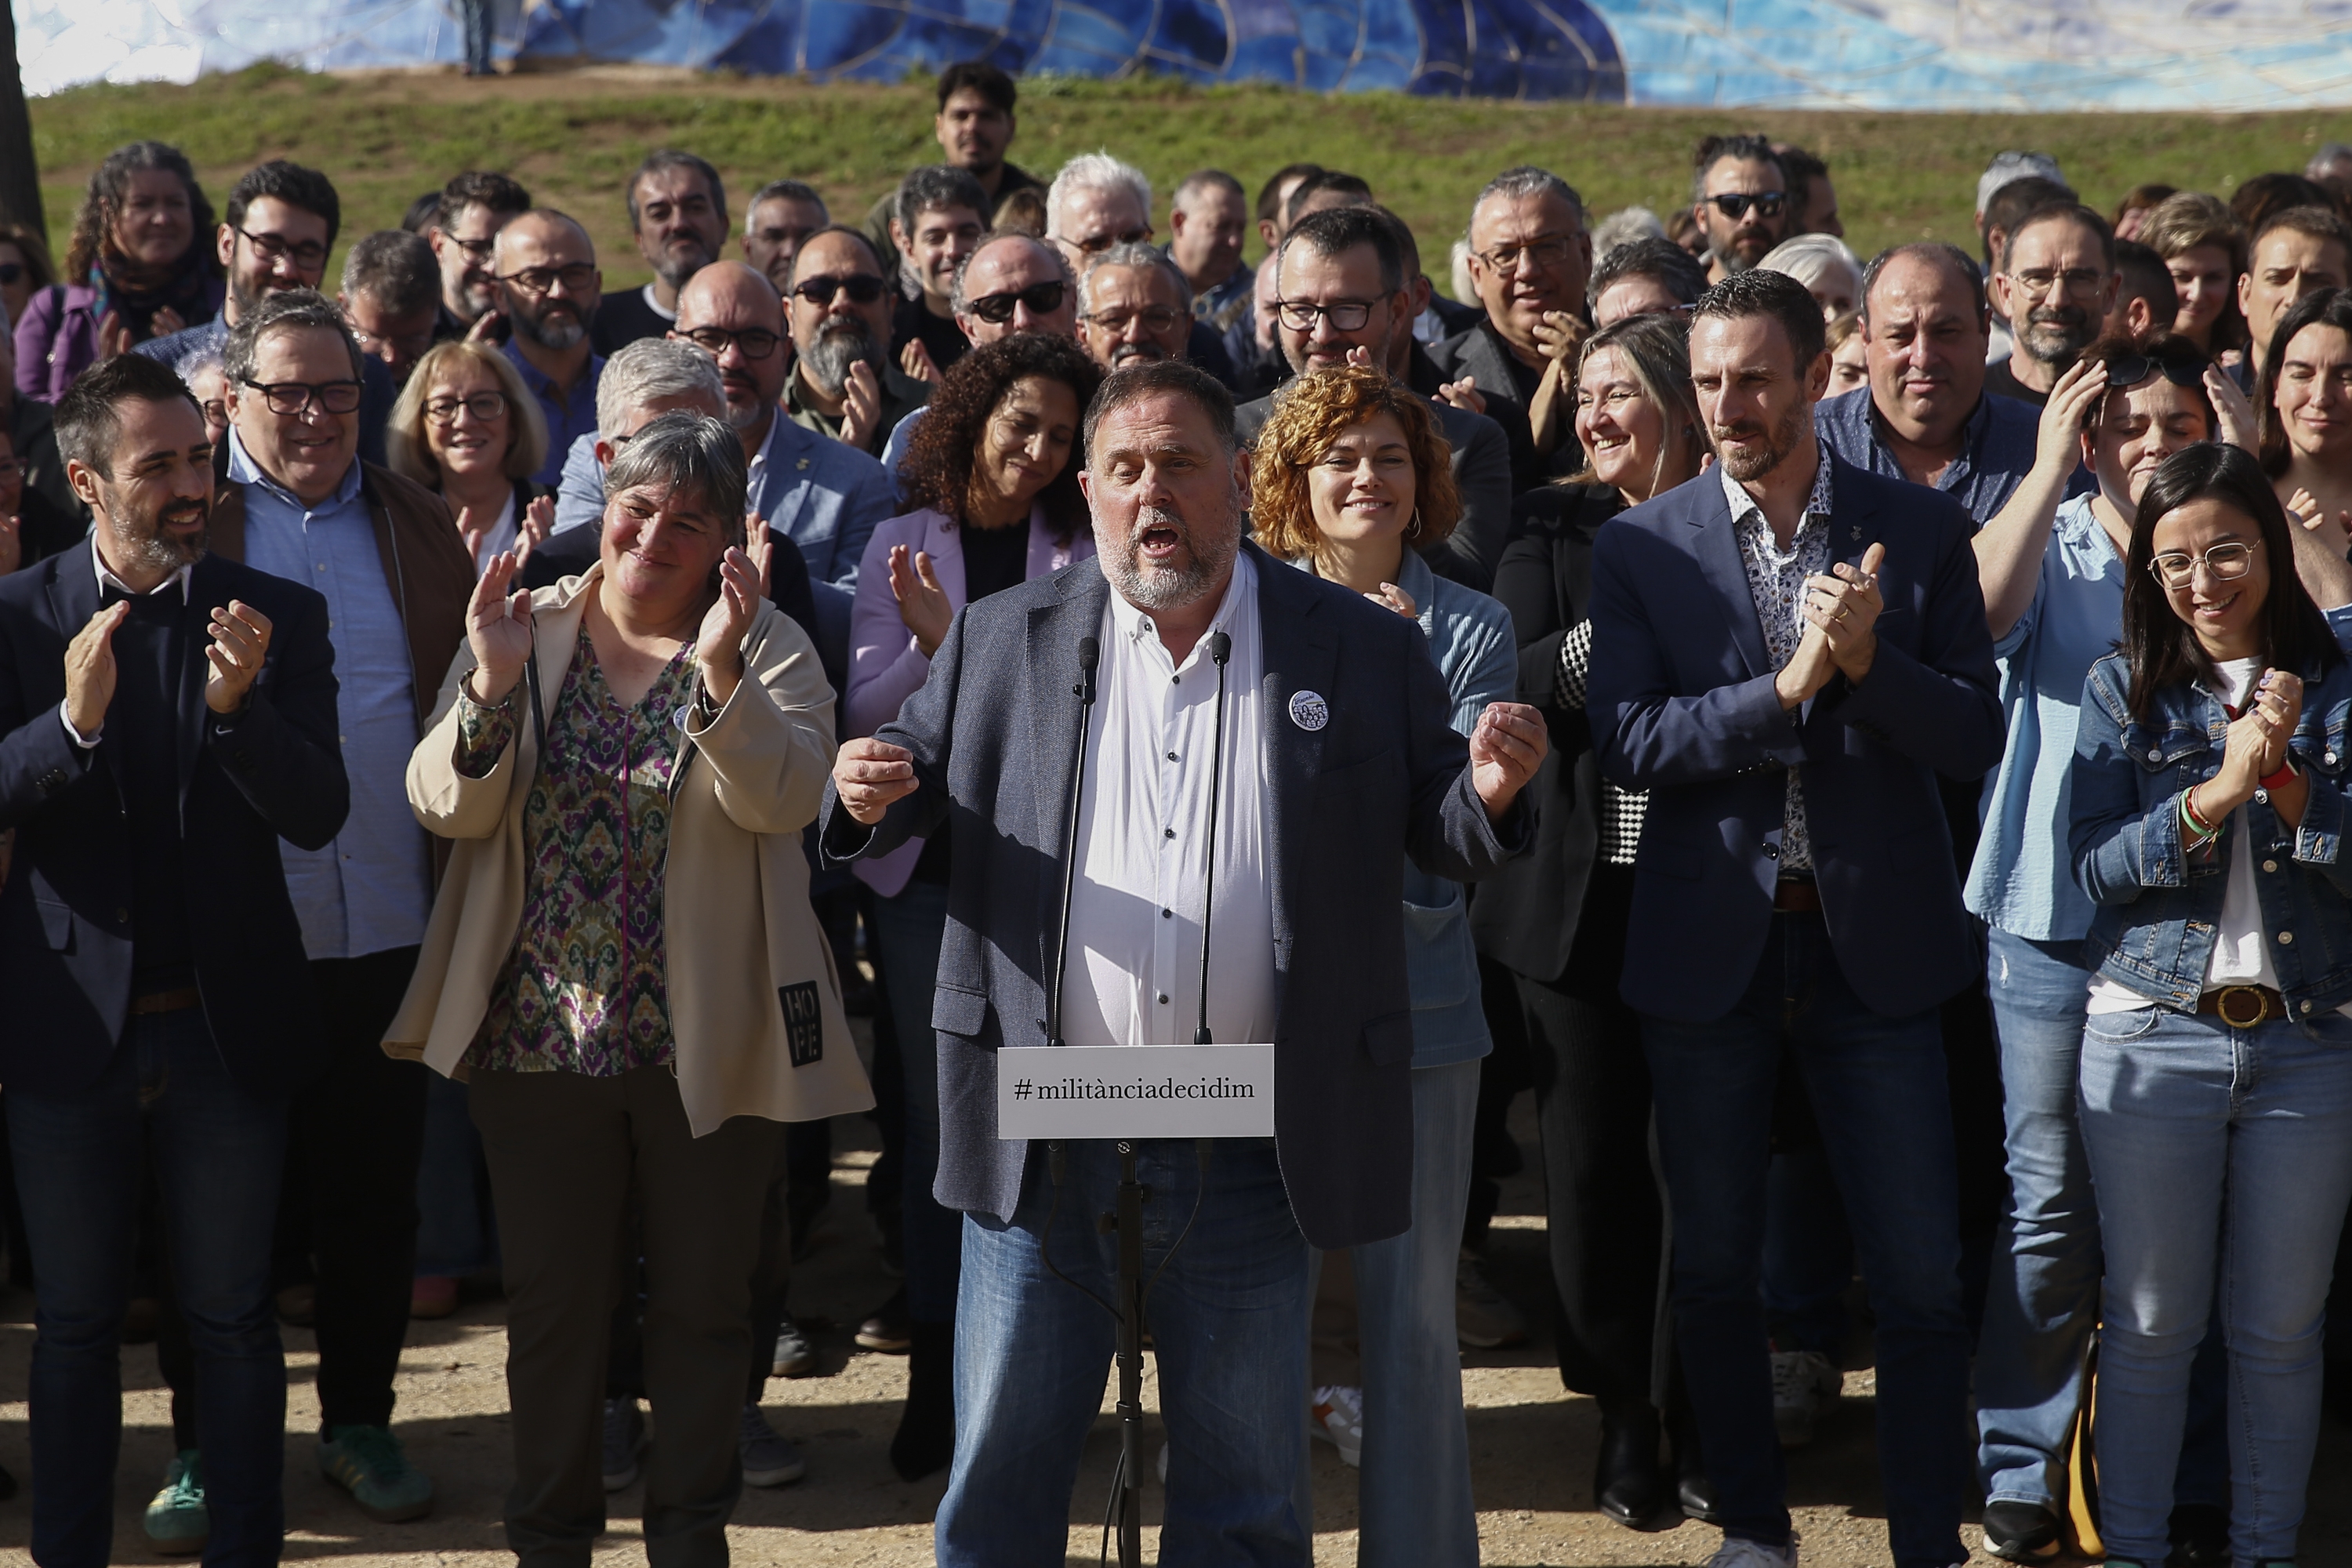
(1043, 298)
(1767, 204)
(863, 288)
(2127, 371)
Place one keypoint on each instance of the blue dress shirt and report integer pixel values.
(371, 887)
(568, 417)
(1996, 449)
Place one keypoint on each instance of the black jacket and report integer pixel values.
(1526, 915)
(65, 914)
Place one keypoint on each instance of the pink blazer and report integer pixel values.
(885, 667)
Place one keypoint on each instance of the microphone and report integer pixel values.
(1089, 654)
(1220, 649)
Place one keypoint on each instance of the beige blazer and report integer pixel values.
(754, 1002)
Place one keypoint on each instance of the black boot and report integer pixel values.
(926, 1437)
(1628, 1484)
(1691, 1488)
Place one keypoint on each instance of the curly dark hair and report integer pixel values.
(937, 472)
(110, 185)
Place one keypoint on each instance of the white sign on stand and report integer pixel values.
(1135, 1092)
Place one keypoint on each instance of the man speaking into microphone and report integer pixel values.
(1335, 755)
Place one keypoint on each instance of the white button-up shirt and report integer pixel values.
(1143, 829)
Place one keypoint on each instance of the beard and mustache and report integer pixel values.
(555, 326)
(139, 536)
(2057, 334)
(1778, 443)
(841, 344)
(1151, 586)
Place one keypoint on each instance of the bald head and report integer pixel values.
(548, 287)
(733, 313)
(730, 294)
(542, 230)
(1013, 274)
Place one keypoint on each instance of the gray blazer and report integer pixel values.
(992, 733)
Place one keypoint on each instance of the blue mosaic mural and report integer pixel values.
(1879, 54)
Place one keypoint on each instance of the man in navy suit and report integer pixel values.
(1336, 755)
(1787, 650)
(165, 717)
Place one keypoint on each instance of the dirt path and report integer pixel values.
(1532, 1445)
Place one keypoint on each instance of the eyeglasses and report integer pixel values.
(757, 343)
(483, 406)
(863, 288)
(1042, 299)
(291, 397)
(2227, 562)
(412, 344)
(11, 272)
(577, 279)
(1732, 204)
(2126, 371)
(475, 250)
(215, 411)
(1095, 244)
(1543, 253)
(1344, 315)
(2078, 281)
(1156, 318)
(308, 254)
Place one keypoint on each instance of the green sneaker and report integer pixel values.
(367, 1462)
(177, 1524)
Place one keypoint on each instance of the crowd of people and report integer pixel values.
(1863, 742)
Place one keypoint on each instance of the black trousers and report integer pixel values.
(1607, 1214)
(358, 1132)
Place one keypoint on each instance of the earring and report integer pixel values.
(1412, 529)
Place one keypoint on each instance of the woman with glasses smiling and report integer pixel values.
(467, 428)
(2210, 793)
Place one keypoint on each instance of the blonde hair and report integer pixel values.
(407, 452)
(1313, 414)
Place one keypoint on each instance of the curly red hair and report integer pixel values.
(1308, 418)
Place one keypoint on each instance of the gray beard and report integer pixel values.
(1160, 588)
(557, 337)
(1783, 441)
(144, 544)
(834, 351)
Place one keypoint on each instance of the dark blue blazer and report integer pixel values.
(1682, 703)
(65, 914)
(993, 730)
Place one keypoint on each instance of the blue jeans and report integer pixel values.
(2214, 1150)
(1878, 1090)
(910, 925)
(1415, 1507)
(1228, 1321)
(2044, 1303)
(1808, 1255)
(81, 1160)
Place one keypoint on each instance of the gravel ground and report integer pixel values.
(1532, 1445)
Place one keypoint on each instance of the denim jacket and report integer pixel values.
(1470, 636)
(2158, 909)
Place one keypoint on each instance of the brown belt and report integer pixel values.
(2242, 1006)
(1796, 896)
(178, 1001)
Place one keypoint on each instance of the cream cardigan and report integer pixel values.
(754, 1003)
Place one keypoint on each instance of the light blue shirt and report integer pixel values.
(370, 889)
(2019, 880)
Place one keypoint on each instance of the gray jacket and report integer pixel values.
(992, 732)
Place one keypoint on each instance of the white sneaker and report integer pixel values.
(1338, 1420)
(1804, 1383)
(1736, 1554)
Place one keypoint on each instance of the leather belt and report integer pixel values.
(2242, 1006)
(1796, 896)
(178, 1001)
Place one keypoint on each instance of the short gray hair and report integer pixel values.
(651, 368)
(284, 309)
(1144, 378)
(1140, 258)
(960, 302)
(934, 186)
(1200, 180)
(2007, 167)
(395, 269)
(786, 191)
(1522, 180)
(685, 451)
(1096, 172)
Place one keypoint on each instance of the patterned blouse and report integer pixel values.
(586, 989)
(1776, 581)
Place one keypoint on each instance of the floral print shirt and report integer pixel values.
(586, 989)
(1776, 581)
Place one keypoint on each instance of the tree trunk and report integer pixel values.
(20, 176)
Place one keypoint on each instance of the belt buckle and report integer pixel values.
(2221, 1002)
